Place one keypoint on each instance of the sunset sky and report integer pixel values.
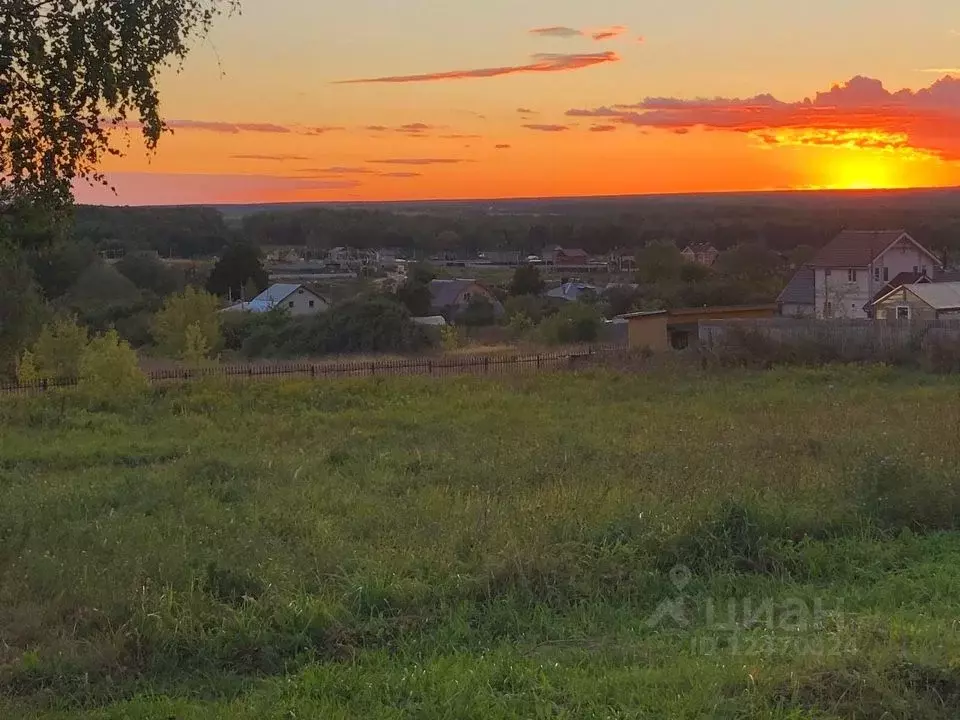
(303, 100)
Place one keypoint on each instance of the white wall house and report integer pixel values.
(295, 299)
(856, 265)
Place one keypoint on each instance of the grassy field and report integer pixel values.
(599, 545)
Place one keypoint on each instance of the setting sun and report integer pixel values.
(868, 170)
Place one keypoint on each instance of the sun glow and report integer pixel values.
(868, 171)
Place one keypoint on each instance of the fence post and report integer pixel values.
(486, 366)
(538, 361)
(373, 368)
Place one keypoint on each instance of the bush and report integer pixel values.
(535, 308)
(478, 313)
(520, 326)
(58, 351)
(109, 371)
(180, 312)
(377, 324)
(575, 323)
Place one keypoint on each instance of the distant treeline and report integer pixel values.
(779, 221)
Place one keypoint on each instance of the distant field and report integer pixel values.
(780, 545)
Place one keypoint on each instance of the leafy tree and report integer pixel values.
(479, 312)
(22, 311)
(375, 324)
(620, 300)
(58, 266)
(172, 325)
(575, 323)
(72, 72)
(58, 350)
(657, 262)
(526, 281)
(694, 272)
(196, 348)
(416, 297)
(531, 306)
(110, 372)
(520, 325)
(148, 272)
(241, 264)
(415, 293)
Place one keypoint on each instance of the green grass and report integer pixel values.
(475, 548)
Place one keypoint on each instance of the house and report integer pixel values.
(920, 301)
(680, 328)
(850, 270)
(702, 253)
(449, 297)
(570, 257)
(570, 291)
(297, 299)
(798, 298)
(430, 320)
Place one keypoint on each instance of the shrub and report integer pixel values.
(450, 337)
(478, 313)
(58, 350)
(520, 326)
(109, 370)
(575, 323)
(179, 313)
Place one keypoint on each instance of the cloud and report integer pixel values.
(227, 127)
(150, 188)
(340, 170)
(235, 128)
(603, 128)
(561, 31)
(860, 113)
(608, 33)
(273, 158)
(557, 31)
(418, 161)
(502, 146)
(546, 128)
(527, 111)
(401, 175)
(458, 136)
(941, 71)
(542, 63)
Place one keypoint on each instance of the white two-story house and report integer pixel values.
(852, 268)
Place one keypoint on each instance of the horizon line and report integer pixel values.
(547, 198)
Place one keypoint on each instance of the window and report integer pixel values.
(886, 274)
(290, 304)
(828, 309)
(827, 272)
(851, 276)
(916, 269)
(876, 274)
(923, 270)
(903, 312)
(467, 297)
(311, 303)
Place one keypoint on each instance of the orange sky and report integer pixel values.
(375, 102)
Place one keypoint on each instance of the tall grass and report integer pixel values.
(389, 547)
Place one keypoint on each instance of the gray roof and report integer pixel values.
(445, 292)
(859, 248)
(272, 297)
(801, 290)
(570, 291)
(430, 320)
(939, 296)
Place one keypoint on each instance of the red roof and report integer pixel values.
(859, 248)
